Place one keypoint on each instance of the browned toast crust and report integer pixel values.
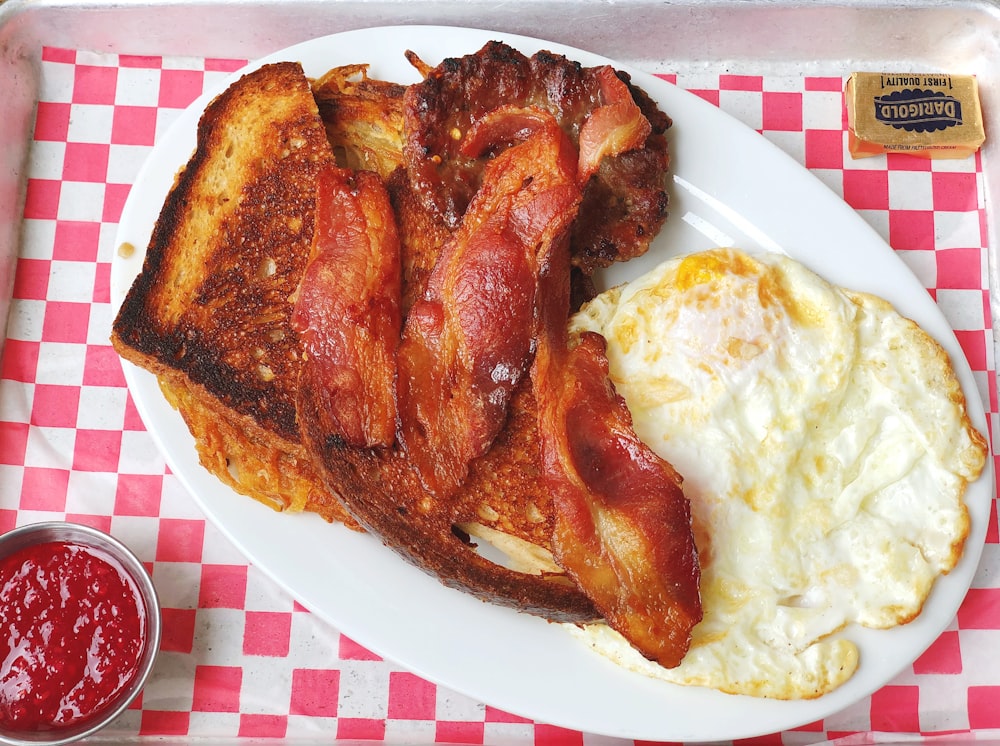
(504, 492)
(209, 314)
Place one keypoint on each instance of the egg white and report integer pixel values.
(825, 448)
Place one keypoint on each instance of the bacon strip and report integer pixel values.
(347, 308)
(615, 127)
(468, 341)
(622, 522)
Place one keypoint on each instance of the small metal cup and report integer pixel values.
(61, 531)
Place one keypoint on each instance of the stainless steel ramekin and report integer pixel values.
(61, 531)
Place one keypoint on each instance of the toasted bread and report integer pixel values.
(503, 504)
(208, 314)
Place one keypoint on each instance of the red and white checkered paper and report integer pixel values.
(240, 658)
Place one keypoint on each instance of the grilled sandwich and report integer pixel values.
(208, 314)
(211, 315)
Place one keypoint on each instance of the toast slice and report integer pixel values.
(493, 539)
(208, 314)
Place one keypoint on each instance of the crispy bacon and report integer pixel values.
(625, 200)
(383, 493)
(615, 127)
(497, 297)
(468, 341)
(622, 523)
(347, 308)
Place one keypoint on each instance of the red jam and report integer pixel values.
(74, 625)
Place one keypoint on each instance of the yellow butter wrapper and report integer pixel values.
(927, 115)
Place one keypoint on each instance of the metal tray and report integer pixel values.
(759, 37)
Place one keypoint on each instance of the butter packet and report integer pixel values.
(927, 115)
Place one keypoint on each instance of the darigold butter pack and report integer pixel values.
(928, 115)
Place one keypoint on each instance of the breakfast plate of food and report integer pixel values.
(552, 383)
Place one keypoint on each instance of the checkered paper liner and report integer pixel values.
(239, 657)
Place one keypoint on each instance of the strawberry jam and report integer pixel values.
(74, 625)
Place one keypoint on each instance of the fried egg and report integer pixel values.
(825, 447)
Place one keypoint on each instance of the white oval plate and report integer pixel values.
(730, 185)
